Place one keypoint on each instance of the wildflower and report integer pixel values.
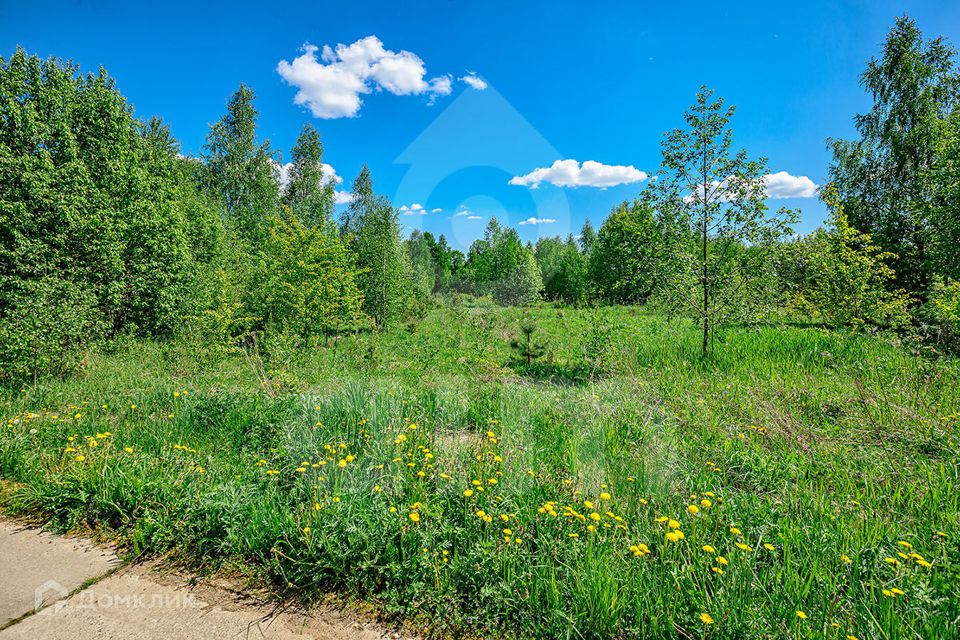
(595, 516)
(393, 509)
(705, 618)
(887, 593)
(673, 524)
(342, 463)
(709, 549)
(693, 509)
(675, 536)
(306, 530)
(706, 504)
(414, 516)
(573, 535)
(508, 532)
(80, 458)
(717, 570)
(905, 544)
(588, 504)
(722, 561)
(661, 519)
(744, 547)
(128, 449)
(897, 592)
(801, 615)
(605, 496)
(481, 513)
(769, 547)
(736, 531)
(891, 561)
(845, 559)
(591, 528)
(468, 493)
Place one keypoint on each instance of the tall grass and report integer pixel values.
(422, 471)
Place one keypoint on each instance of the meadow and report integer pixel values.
(798, 482)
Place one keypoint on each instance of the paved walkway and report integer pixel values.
(57, 588)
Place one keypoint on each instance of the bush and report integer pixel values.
(44, 327)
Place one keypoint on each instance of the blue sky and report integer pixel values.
(575, 81)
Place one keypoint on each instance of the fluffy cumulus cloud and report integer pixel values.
(783, 185)
(342, 197)
(329, 173)
(415, 209)
(533, 220)
(475, 81)
(331, 84)
(570, 173)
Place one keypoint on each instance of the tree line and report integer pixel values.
(107, 230)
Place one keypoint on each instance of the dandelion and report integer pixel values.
(744, 547)
(588, 504)
(595, 516)
(693, 509)
(468, 493)
(128, 449)
(905, 544)
(801, 615)
(709, 549)
(80, 458)
(414, 516)
(706, 504)
(891, 561)
(736, 531)
(897, 592)
(705, 618)
(605, 496)
(845, 559)
(717, 570)
(673, 524)
(722, 561)
(769, 547)
(393, 509)
(675, 536)
(306, 530)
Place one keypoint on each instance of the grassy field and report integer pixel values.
(798, 483)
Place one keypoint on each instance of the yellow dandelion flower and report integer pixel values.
(705, 618)
(801, 615)
(414, 516)
(468, 493)
(769, 547)
(722, 561)
(605, 496)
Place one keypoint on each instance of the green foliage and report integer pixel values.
(495, 256)
(309, 193)
(564, 270)
(383, 268)
(241, 171)
(46, 327)
(943, 202)
(883, 178)
(306, 283)
(522, 284)
(848, 279)
(631, 256)
(97, 203)
(718, 198)
(528, 347)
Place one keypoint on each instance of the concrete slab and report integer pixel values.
(38, 568)
(137, 604)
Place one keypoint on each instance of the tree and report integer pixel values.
(522, 284)
(564, 270)
(882, 178)
(494, 256)
(421, 249)
(383, 269)
(849, 280)
(306, 282)
(630, 257)
(309, 193)
(240, 171)
(97, 213)
(720, 197)
(943, 200)
(588, 237)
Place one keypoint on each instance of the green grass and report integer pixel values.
(825, 445)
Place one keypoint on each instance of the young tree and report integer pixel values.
(630, 256)
(720, 196)
(522, 284)
(882, 178)
(588, 237)
(383, 269)
(239, 170)
(306, 282)
(309, 193)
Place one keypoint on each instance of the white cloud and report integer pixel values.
(533, 220)
(415, 209)
(475, 81)
(570, 173)
(464, 211)
(775, 186)
(474, 217)
(331, 86)
(329, 173)
(342, 197)
(783, 185)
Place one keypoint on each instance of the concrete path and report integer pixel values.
(41, 576)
